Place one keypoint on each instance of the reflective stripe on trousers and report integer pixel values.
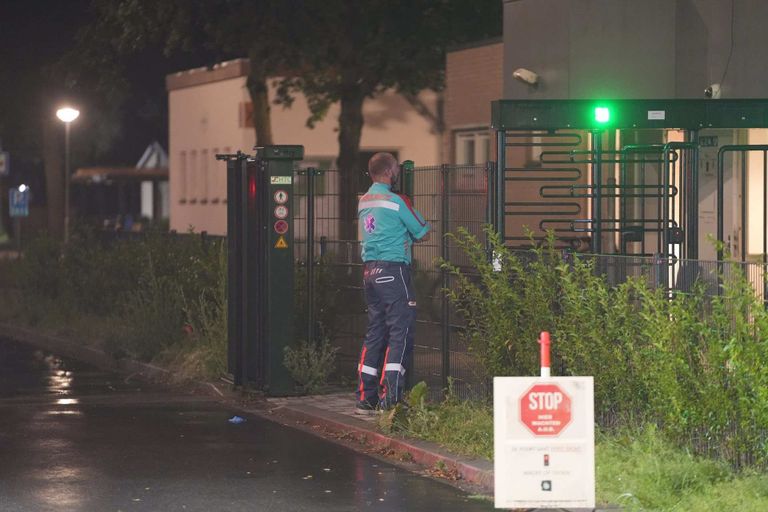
(388, 341)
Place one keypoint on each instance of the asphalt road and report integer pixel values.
(74, 438)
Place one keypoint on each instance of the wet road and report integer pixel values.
(74, 438)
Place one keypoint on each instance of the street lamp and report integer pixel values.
(66, 115)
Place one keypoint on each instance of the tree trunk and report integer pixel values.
(350, 166)
(259, 92)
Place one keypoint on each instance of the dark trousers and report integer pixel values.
(389, 340)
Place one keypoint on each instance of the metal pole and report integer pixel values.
(311, 254)
(665, 192)
(744, 206)
(499, 183)
(693, 198)
(246, 226)
(597, 179)
(623, 202)
(765, 226)
(490, 172)
(66, 182)
(720, 187)
(765, 207)
(444, 226)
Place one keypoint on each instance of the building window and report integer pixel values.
(227, 151)
(471, 147)
(192, 184)
(204, 176)
(217, 180)
(183, 177)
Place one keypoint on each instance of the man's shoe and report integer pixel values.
(365, 408)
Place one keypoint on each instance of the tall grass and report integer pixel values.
(637, 469)
(160, 297)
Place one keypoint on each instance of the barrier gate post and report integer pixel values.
(260, 266)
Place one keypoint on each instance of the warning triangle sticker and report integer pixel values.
(281, 243)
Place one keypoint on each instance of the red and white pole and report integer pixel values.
(545, 342)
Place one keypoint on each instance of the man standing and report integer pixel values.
(389, 225)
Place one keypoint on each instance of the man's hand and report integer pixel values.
(425, 238)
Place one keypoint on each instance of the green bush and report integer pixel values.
(206, 315)
(465, 427)
(690, 363)
(641, 471)
(150, 318)
(160, 295)
(95, 276)
(310, 363)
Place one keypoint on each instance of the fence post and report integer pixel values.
(446, 323)
(490, 173)
(499, 192)
(597, 203)
(323, 245)
(311, 173)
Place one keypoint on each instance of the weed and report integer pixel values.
(310, 363)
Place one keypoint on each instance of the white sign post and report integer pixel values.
(544, 442)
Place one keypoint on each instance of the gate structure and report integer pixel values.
(260, 237)
(633, 177)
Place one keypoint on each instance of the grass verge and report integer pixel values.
(637, 470)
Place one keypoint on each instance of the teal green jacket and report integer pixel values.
(389, 224)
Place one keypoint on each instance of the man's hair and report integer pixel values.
(380, 163)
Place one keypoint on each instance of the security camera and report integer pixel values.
(526, 76)
(713, 91)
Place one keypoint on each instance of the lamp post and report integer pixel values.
(66, 115)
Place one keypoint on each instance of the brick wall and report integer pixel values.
(473, 79)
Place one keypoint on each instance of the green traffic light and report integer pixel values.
(602, 114)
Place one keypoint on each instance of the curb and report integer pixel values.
(478, 472)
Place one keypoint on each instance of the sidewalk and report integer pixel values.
(334, 415)
(331, 416)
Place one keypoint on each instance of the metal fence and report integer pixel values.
(450, 197)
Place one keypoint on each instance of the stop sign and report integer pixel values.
(545, 409)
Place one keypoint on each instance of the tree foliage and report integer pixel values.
(330, 51)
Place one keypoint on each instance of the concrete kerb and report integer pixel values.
(476, 472)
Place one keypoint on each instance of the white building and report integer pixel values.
(209, 114)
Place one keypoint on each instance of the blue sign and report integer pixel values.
(18, 202)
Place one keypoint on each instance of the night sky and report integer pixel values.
(35, 37)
